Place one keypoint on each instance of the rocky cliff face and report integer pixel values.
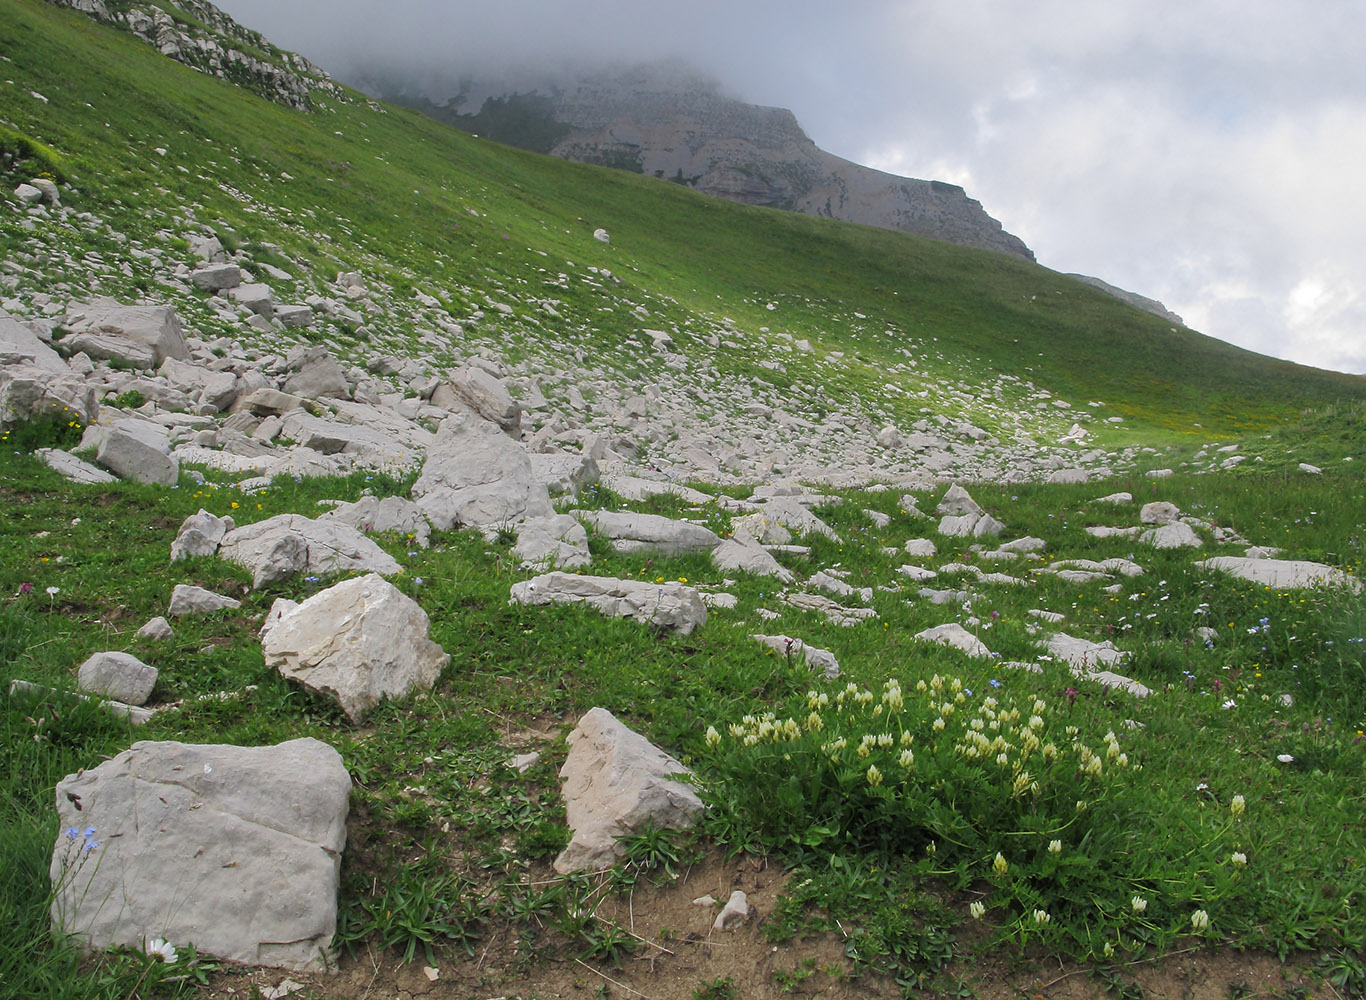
(678, 127)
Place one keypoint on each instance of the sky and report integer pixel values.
(1206, 153)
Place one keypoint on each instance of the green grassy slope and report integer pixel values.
(425, 207)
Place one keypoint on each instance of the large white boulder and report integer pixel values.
(749, 557)
(472, 389)
(957, 636)
(1174, 535)
(665, 606)
(957, 503)
(139, 449)
(140, 336)
(199, 535)
(616, 782)
(120, 676)
(389, 516)
(291, 543)
(554, 542)
(356, 643)
(236, 850)
(814, 657)
(632, 532)
(477, 476)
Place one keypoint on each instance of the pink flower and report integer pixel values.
(25, 587)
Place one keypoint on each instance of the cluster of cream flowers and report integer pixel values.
(879, 732)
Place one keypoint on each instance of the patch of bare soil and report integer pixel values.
(677, 955)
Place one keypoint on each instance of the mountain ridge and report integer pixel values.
(677, 126)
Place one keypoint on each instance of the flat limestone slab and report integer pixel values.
(236, 850)
(1282, 574)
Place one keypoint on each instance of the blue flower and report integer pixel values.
(90, 845)
(72, 833)
(89, 832)
(994, 682)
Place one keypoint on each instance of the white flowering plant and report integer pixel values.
(981, 784)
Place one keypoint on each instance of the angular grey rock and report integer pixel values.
(199, 535)
(19, 344)
(28, 194)
(921, 547)
(216, 388)
(917, 573)
(143, 336)
(957, 503)
(190, 600)
(473, 389)
(1282, 574)
(944, 596)
(987, 527)
(389, 516)
(664, 606)
(476, 475)
(616, 783)
(75, 469)
(319, 376)
(833, 585)
(817, 659)
(156, 630)
(265, 402)
(555, 542)
(1175, 535)
(1159, 512)
(141, 450)
(832, 610)
(761, 528)
(216, 277)
(355, 643)
(1313, 470)
(291, 543)
(749, 557)
(564, 472)
(958, 525)
(29, 391)
(234, 849)
(1068, 476)
(256, 298)
(957, 636)
(632, 532)
(1091, 660)
(1115, 498)
(792, 515)
(121, 676)
(294, 315)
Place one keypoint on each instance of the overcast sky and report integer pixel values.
(1207, 153)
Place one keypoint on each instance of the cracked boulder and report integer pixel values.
(356, 643)
(236, 850)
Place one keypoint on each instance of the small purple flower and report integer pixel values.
(90, 845)
(72, 833)
(89, 832)
(25, 587)
(994, 682)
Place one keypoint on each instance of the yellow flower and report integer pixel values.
(1237, 805)
(874, 775)
(1000, 865)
